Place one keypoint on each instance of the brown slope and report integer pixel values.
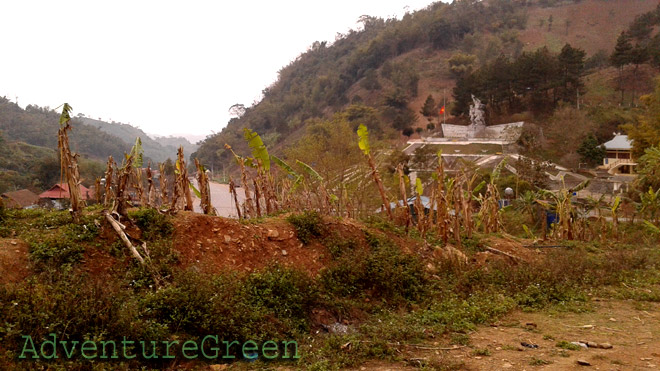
(592, 24)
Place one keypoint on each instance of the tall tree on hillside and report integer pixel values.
(621, 57)
(638, 55)
(571, 63)
(498, 81)
(428, 110)
(463, 91)
(591, 151)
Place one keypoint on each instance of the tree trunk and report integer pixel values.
(381, 189)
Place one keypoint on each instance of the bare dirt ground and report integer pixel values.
(213, 244)
(591, 25)
(632, 328)
(14, 263)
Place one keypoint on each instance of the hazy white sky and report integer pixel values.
(167, 67)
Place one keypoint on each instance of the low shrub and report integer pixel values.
(272, 303)
(382, 271)
(153, 224)
(338, 246)
(308, 225)
(56, 251)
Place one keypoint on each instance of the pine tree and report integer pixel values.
(590, 151)
(571, 63)
(428, 110)
(638, 55)
(621, 57)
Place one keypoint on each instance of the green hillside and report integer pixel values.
(391, 67)
(28, 158)
(25, 165)
(38, 126)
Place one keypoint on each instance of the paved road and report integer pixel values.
(221, 199)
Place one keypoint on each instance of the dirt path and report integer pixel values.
(632, 328)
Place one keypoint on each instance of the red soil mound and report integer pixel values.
(214, 244)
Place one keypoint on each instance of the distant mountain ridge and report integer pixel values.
(158, 149)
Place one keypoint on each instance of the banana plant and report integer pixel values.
(651, 228)
(163, 184)
(615, 219)
(286, 168)
(108, 181)
(526, 204)
(204, 192)
(561, 203)
(69, 163)
(261, 161)
(403, 182)
(363, 143)
(419, 207)
(596, 204)
(242, 162)
(259, 150)
(137, 153)
(327, 198)
(182, 181)
(650, 204)
(287, 188)
(489, 211)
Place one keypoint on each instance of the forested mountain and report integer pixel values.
(158, 150)
(522, 57)
(28, 148)
(28, 144)
(38, 126)
(25, 165)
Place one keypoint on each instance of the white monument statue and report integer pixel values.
(477, 120)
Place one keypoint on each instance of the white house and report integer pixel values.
(619, 160)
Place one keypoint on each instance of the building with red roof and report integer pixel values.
(20, 199)
(61, 190)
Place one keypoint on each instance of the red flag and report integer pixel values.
(442, 110)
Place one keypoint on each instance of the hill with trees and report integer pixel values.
(37, 168)
(524, 58)
(28, 138)
(157, 149)
(38, 126)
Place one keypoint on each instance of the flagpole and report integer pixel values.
(444, 106)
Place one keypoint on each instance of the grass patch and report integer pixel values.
(568, 346)
(481, 352)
